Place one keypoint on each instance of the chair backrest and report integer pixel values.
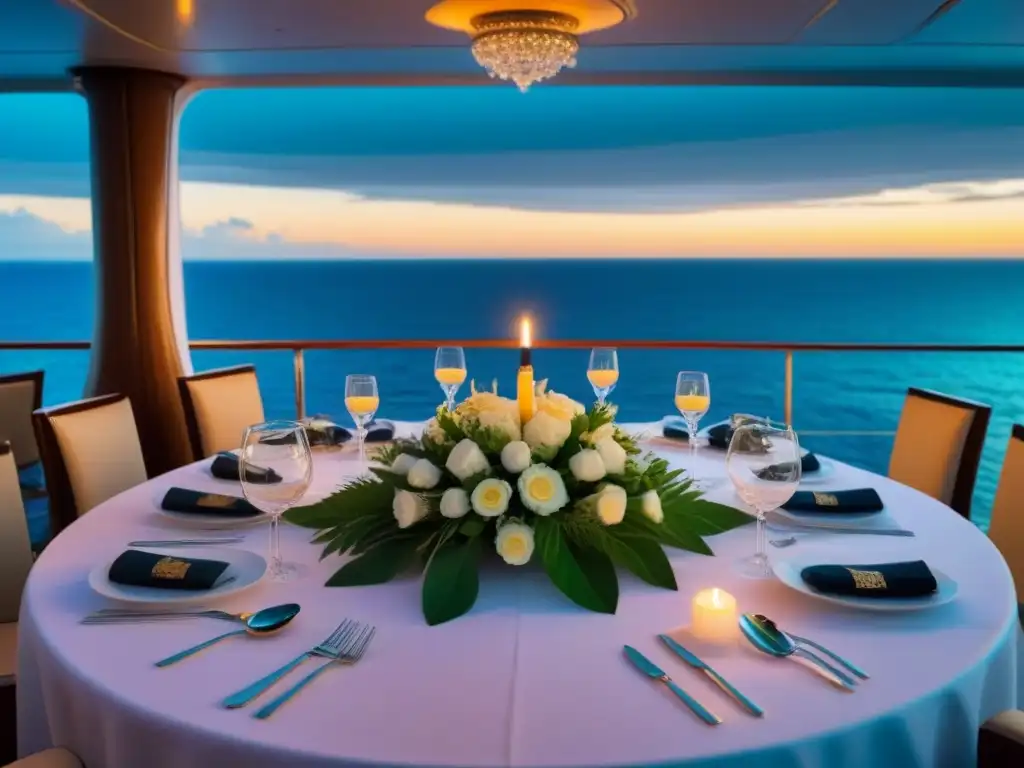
(218, 406)
(90, 452)
(938, 446)
(1006, 528)
(20, 394)
(15, 547)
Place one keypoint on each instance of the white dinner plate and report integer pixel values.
(788, 572)
(207, 522)
(824, 472)
(246, 567)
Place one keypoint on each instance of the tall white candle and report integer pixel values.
(713, 616)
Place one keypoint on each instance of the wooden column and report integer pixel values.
(134, 349)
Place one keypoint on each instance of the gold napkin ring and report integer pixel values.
(826, 499)
(215, 501)
(868, 579)
(169, 568)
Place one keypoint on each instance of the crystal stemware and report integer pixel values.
(693, 399)
(450, 372)
(362, 401)
(763, 463)
(283, 447)
(603, 372)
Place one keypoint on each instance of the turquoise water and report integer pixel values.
(763, 300)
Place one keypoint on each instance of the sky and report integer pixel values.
(669, 172)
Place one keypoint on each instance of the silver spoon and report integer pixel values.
(762, 619)
(767, 638)
(259, 624)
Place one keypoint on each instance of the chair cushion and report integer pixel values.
(15, 548)
(224, 406)
(49, 758)
(928, 446)
(17, 401)
(8, 652)
(1006, 528)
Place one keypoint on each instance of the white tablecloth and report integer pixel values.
(526, 678)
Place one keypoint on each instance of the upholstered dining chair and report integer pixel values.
(90, 452)
(20, 394)
(58, 757)
(1006, 526)
(15, 562)
(938, 446)
(1001, 741)
(218, 406)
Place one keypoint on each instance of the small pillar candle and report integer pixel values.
(524, 381)
(713, 616)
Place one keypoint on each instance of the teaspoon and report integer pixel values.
(259, 624)
(768, 639)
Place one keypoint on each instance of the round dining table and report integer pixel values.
(526, 678)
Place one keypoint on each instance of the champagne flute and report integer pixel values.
(603, 371)
(450, 372)
(281, 446)
(763, 463)
(362, 401)
(693, 398)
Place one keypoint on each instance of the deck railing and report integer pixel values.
(299, 346)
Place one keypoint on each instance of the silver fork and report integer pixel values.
(352, 652)
(115, 616)
(328, 649)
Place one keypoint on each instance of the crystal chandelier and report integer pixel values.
(525, 46)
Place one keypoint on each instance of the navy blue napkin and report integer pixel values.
(719, 435)
(856, 501)
(380, 431)
(225, 467)
(808, 463)
(906, 579)
(327, 436)
(202, 503)
(151, 569)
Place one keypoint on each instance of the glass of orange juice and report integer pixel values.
(450, 372)
(603, 371)
(693, 398)
(362, 401)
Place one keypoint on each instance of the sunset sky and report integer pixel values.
(685, 173)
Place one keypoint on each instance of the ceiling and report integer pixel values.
(919, 42)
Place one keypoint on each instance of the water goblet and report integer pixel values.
(362, 402)
(450, 372)
(693, 399)
(603, 371)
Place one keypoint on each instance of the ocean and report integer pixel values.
(722, 300)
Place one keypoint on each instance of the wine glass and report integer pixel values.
(693, 398)
(450, 371)
(281, 446)
(362, 401)
(763, 463)
(603, 371)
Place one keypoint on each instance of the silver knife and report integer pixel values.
(787, 527)
(720, 681)
(186, 542)
(650, 669)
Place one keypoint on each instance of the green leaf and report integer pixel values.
(641, 555)
(451, 583)
(380, 564)
(447, 423)
(705, 518)
(584, 575)
(473, 526)
(326, 536)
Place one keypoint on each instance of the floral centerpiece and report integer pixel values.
(568, 487)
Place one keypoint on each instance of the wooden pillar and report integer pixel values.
(134, 348)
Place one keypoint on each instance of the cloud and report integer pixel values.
(932, 194)
(236, 239)
(26, 236)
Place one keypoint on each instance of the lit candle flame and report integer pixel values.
(185, 11)
(716, 597)
(525, 334)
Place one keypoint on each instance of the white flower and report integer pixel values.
(650, 505)
(424, 475)
(433, 433)
(613, 455)
(599, 434)
(485, 410)
(559, 406)
(491, 496)
(466, 460)
(587, 466)
(515, 543)
(454, 503)
(542, 490)
(402, 464)
(409, 508)
(515, 457)
(611, 504)
(546, 431)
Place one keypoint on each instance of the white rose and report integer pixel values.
(402, 464)
(599, 434)
(587, 466)
(613, 455)
(541, 489)
(454, 503)
(409, 508)
(490, 497)
(433, 433)
(515, 543)
(650, 505)
(424, 475)
(466, 460)
(560, 406)
(611, 504)
(488, 411)
(515, 457)
(544, 430)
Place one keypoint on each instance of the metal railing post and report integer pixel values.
(787, 393)
(298, 363)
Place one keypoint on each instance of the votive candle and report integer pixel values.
(713, 616)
